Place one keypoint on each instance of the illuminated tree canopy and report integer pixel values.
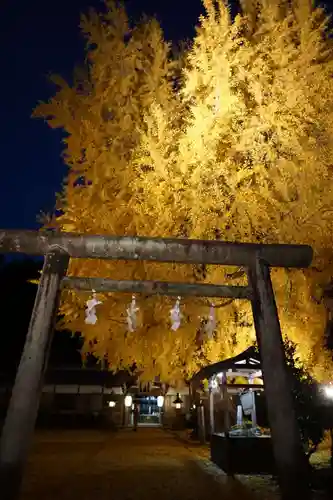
(233, 140)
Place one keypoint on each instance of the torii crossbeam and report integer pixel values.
(58, 248)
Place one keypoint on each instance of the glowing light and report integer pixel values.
(329, 391)
(112, 404)
(178, 401)
(160, 401)
(213, 384)
(128, 401)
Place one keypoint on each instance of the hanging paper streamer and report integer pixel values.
(175, 315)
(211, 323)
(131, 315)
(91, 304)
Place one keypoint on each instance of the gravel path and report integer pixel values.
(124, 466)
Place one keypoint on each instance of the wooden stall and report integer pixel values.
(236, 420)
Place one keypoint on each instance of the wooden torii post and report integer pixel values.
(58, 248)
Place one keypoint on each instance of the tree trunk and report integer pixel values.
(23, 407)
(287, 446)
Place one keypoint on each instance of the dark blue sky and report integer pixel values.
(39, 37)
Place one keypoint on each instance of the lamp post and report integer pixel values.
(160, 401)
(213, 385)
(160, 404)
(112, 401)
(201, 422)
(128, 405)
(110, 414)
(128, 401)
(178, 402)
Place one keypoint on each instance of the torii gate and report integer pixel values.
(57, 249)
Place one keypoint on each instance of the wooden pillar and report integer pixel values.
(227, 425)
(101, 409)
(23, 407)
(190, 395)
(331, 458)
(253, 411)
(201, 423)
(288, 451)
(77, 400)
(225, 396)
(211, 412)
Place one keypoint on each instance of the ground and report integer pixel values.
(151, 463)
(124, 465)
(263, 487)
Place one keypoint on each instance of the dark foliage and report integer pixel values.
(305, 392)
(306, 399)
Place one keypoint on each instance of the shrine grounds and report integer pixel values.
(123, 465)
(127, 465)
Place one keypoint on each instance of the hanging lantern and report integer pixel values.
(175, 315)
(160, 401)
(178, 402)
(91, 317)
(128, 401)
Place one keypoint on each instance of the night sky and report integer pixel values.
(39, 37)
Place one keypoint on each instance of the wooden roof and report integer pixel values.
(79, 376)
(245, 362)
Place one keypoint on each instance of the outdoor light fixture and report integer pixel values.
(128, 401)
(160, 401)
(213, 383)
(178, 402)
(112, 404)
(328, 390)
(221, 377)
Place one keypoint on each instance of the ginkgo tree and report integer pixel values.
(254, 163)
(129, 71)
(232, 141)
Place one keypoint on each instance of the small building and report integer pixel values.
(228, 391)
(87, 394)
(231, 407)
